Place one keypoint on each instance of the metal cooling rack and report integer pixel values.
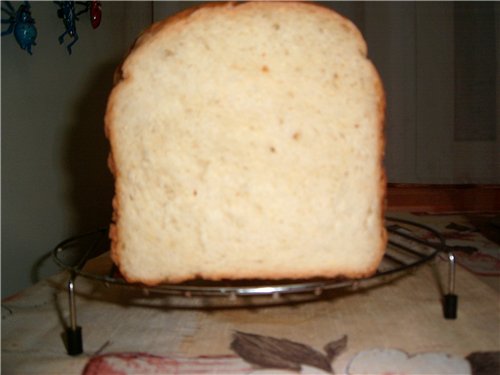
(410, 245)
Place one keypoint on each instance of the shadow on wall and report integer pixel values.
(90, 186)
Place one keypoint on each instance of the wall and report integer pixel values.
(424, 60)
(55, 182)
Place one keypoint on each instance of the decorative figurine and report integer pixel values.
(95, 13)
(21, 24)
(66, 11)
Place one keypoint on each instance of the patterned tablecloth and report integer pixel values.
(396, 327)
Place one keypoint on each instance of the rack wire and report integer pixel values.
(410, 245)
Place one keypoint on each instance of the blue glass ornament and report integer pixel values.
(67, 13)
(21, 24)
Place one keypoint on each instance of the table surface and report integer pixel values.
(125, 331)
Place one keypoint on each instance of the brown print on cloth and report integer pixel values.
(270, 352)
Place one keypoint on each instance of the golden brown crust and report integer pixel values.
(272, 277)
(383, 176)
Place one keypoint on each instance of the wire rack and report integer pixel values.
(410, 245)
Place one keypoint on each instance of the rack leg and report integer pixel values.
(450, 301)
(73, 332)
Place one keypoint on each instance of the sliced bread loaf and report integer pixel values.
(247, 142)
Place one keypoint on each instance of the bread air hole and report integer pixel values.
(169, 53)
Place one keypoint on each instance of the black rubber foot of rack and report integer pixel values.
(74, 341)
(450, 306)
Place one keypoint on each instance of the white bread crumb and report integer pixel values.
(246, 142)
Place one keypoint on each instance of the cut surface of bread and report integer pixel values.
(247, 142)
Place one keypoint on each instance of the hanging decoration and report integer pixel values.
(95, 13)
(21, 24)
(67, 12)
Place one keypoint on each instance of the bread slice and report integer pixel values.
(247, 142)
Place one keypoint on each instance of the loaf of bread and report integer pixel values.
(247, 142)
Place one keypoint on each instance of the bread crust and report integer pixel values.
(122, 77)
